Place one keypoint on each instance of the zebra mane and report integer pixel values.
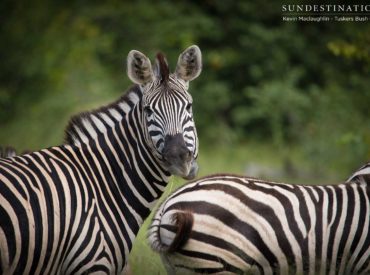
(7, 152)
(86, 126)
(162, 68)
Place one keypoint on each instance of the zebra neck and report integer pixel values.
(128, 165)
(131, 135)
(89, 126)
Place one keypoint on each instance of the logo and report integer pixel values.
(326, 12)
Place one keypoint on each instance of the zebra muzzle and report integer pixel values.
(178, 159)
(193, 171)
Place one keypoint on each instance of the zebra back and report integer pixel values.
(234, 224)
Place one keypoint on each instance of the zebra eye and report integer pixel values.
(148, 110)
(189, 107)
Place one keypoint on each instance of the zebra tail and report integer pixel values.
(179, 225)
(183, 223)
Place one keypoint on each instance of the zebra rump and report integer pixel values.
(181, 223)
(227, 224)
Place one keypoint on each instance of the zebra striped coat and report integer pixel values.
(76, 208)
(225, 224)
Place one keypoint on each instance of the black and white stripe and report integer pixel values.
(225, 224)
(76, 208)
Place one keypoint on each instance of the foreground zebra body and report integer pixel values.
(230, 224)
(76, 208)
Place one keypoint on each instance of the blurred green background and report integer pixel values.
(280, 100)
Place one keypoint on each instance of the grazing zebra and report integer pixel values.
(228, 224)
(76, 208)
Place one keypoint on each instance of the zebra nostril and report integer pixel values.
(175, 149)
(179, 154)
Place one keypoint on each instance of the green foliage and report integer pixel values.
(263, 78)
(337, 132)
(354, 48)
(280, 104)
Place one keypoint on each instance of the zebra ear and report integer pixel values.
(189, 64)
(139, 68)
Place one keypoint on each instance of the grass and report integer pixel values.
(231, 159)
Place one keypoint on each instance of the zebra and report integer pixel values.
(76, 208)
(228, 224)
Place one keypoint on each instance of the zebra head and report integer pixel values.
(166, 107)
